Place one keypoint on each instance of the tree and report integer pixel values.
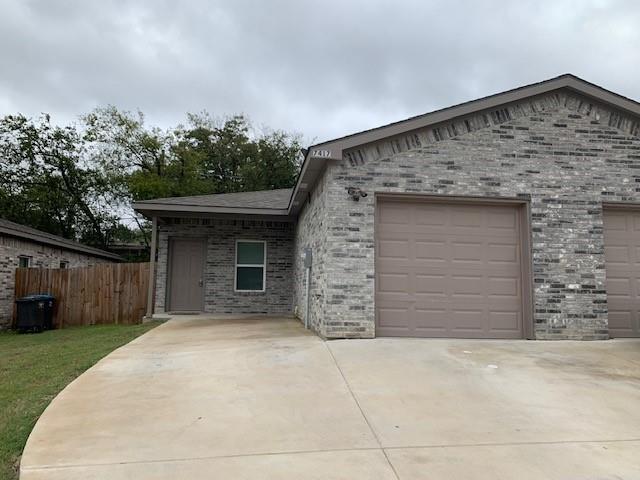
(234, 159)
(48, 184)
(206, 156)
(78, 181)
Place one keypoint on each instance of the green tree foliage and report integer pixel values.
(205, 156)
(78, 181)
(47, 183)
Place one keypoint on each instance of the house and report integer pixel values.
(22, 246)
(512, 216)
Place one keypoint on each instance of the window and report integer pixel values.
(251, 260)
(24, 261)
(64, 264)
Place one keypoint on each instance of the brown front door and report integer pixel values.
(448, 270)
(622, 260)
(186, 272)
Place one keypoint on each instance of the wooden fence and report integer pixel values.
(108, 293)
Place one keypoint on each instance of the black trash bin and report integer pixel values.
(35, 313)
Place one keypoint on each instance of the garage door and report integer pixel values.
(448, 270)
(622, 257)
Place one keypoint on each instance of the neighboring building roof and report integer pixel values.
(265, 202)
(318, 155)
(27, 233)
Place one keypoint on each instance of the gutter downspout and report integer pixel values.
(152, 268)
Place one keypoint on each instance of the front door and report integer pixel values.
(186, 271)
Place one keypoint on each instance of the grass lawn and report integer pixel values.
(35, 367)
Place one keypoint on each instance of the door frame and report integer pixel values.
(526, 256)
(172, 239)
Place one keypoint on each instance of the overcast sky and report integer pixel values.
(325, 68)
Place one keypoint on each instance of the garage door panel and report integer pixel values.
(434, 319)
(394, 214)
(430, 284)
(502, 219)
(503, 286)
(463, 271)
(393, 318)
(394, 282)
(617, 254)
(428, 215)
(431, 250)
(622, 257)
(502, 252)
(465, 217)
(467, 285)
(467, 320)
(621, 321)
(467, 251)
(393, 248)
(616, 222)
(506, 321)
(619, 286)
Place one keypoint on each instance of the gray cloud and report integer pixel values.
(324, 69)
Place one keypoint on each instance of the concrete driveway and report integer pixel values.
(261, 398)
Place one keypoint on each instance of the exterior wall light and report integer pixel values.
(356, 193)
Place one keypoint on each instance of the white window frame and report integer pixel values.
(262, 265)
(27, 257)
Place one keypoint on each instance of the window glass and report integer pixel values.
(24, 261)
(250, 265)
(250, 253)
(64, 264)
(249, 278)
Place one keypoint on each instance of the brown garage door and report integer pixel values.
(622, 257)
(448, 270)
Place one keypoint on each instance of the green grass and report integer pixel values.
(35, 367)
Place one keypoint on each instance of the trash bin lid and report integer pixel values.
(36, 298)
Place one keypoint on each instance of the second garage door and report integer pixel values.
(622, 257)
(448, 269)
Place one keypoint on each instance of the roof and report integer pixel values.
(21, 231)
(267, 202)
(319, 155)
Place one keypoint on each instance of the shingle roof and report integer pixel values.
(287, 202)
(277, 199)
(28, 233)
(267, 200)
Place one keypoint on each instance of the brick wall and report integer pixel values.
(41, 256)
(311, 232)
(221, 236)
(564, 153)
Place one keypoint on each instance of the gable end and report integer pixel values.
(581, 105)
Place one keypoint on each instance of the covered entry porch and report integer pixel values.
(210, 257)
(226, 266)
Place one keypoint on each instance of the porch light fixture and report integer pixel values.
(356, 193)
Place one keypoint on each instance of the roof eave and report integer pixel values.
(159, 209)
(60, 244)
